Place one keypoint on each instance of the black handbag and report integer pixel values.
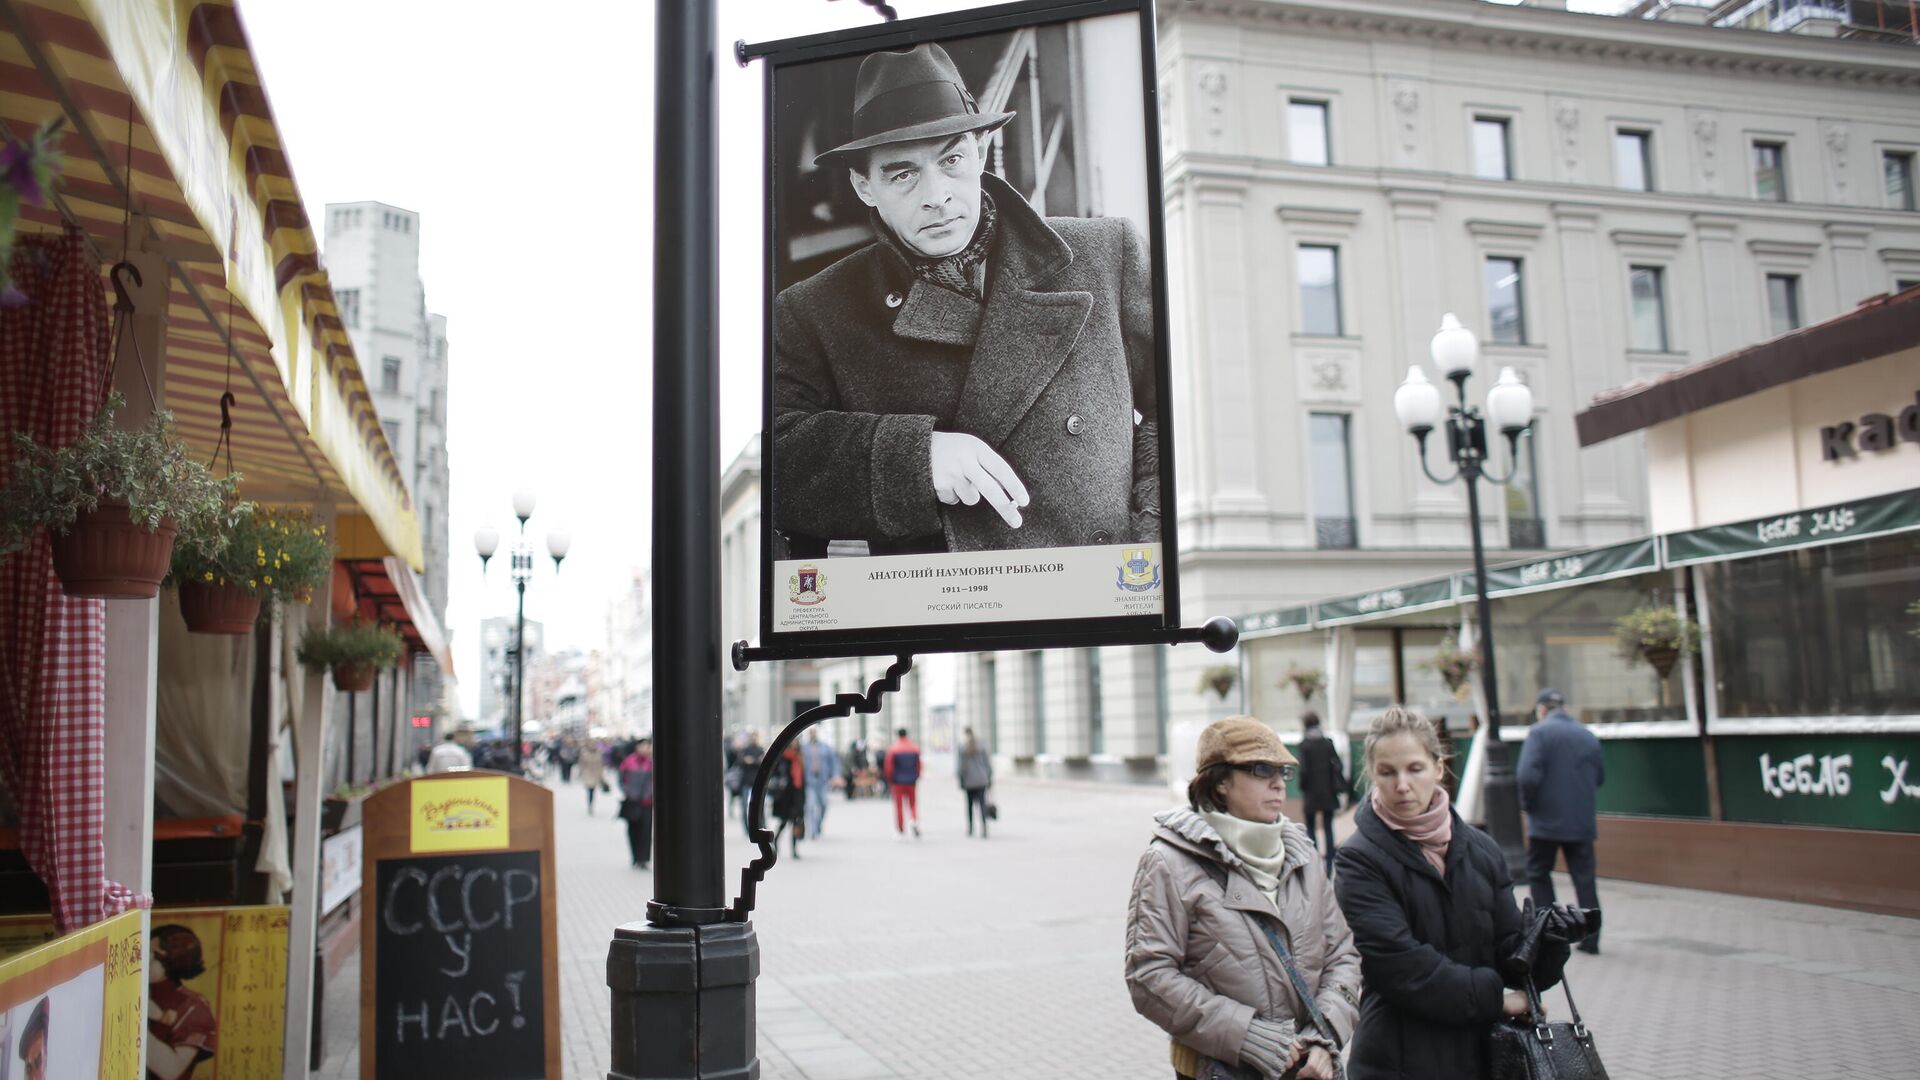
(1533, 1049)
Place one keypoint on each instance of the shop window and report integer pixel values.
(1506, 313)
(1332, 472)
(1770, 171)
(1563, 638)
(1648, 286)
(1307, 133)
(1783, 303)
(1633, 160)
(1492, 148)
(1898, 166)
(1319, 271)
(1818, 632)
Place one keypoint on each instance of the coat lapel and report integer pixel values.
(938, 315)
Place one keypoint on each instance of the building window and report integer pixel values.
(392, 428)
(1506, 315)
(1307, 133)
(1492, 149)
(1633, 160)
(1525, 529)
(1037, 685)
(390, 374)
(1331, 454)
(1649, 288)
(1899, 169)
(1096, 712)
(1783, 303)
(1319, 269)
(348, 303)
(1770, 171)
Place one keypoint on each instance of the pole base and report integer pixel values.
(683, 1002)
(1502, 795)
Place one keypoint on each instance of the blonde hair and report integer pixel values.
(1400, 720)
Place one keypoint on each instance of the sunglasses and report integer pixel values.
(1266, 770)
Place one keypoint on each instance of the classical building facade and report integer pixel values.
(765, 696)
(626, 680)
(1602, 200)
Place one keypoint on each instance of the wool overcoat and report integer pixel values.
(1560, 773)
(1055, 371)
(1429, 949)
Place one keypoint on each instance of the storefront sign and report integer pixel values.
(1597, 564)
(1807, 528)
(1379, 604)
(968, 419)
(1875, 431)
(459, 962)
(220, 1000)
(76, 1005)
(1850, 781)
(1292, 618)
(339, 868)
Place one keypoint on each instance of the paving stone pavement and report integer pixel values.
(949, 957)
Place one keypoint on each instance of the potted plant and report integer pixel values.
(113, 501)
(1657, 634)
(1453, 664)
(1305, 681)
(261, 555)
(1218, 680)
(353, 651)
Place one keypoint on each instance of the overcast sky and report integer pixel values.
(522, 136)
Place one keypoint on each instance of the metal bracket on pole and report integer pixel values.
(768, 842)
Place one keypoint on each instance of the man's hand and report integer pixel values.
(1318, 1066)
(966, 470)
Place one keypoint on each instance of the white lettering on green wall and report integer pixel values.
(1899, 788)
(1797, 776)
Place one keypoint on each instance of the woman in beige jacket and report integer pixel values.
(1225, 885)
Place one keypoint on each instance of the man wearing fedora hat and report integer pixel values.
(978, 377)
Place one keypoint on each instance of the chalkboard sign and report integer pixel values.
(458, 968)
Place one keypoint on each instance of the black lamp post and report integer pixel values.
(1510, 407)
(486, 540)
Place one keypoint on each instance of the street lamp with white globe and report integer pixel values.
(1509, 408)
(486, 540)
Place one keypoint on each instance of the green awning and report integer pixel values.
(1840, 522)
(1572, 568)
(1278, 621)
(1382, 603)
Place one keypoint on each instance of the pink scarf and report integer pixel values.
(1432, 829)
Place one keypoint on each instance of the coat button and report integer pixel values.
(1102, 536)
(894, 299)
(1074, 424)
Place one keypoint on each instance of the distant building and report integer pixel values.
(496, 670)
(765, 696)
(1895, 21)
(626, 677)
(373, 261)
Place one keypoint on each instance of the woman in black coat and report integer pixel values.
(1431, 905)
(1323, 783)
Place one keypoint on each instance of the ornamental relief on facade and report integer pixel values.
(1706, 146)
(1327, 375)
(1212, 84)
(1835, 136)
(1407, 123)
(1566, 130)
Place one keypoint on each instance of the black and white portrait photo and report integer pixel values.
(964, 354)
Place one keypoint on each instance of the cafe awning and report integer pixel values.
(386, 590)
(165, 117)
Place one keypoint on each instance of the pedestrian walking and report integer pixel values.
(636, 800)
(452, 753)
(593, 774)
(976, 776)
(1323, 784)
(1561, 770)
(902, 770)
(822, 768)
(1235, 946)
(746, 765)
(1432, 911)
(567, 755)
(787, 798)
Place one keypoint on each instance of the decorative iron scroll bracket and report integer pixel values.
(841, 705)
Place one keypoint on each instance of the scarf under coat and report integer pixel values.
(1431, 829)
(1261, 846)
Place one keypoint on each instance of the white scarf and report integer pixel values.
(1260, 845)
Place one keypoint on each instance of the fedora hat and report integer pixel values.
(903, 96)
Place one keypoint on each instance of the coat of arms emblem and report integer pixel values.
(1139, 573)
(807, 586)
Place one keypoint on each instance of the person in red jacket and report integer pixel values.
(903, 775)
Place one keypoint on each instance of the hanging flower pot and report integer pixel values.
(353, 678)
(1657, 634)
(107, 554)
(211, 608)
(1662, 657)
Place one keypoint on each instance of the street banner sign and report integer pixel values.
(459, 969)
(967, 436)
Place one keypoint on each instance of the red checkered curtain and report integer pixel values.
(53, 355)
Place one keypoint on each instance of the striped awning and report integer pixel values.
(165, 116)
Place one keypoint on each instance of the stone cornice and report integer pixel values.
(1567, 36)
(1483, 229)
(1318, 215)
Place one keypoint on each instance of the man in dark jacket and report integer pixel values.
(978, 377)
(1323, 783)
(1561, 770)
